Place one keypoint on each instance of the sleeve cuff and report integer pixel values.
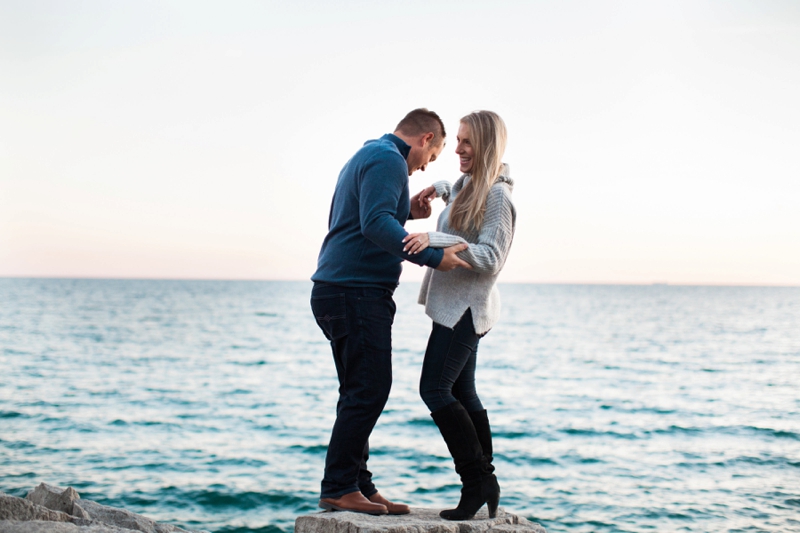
(437, 254)
(437, 239)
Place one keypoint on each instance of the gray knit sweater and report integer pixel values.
(447, 295)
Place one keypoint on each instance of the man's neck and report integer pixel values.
(406, 139)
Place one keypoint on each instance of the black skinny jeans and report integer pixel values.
(448, 370)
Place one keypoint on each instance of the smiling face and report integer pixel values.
(464, 149)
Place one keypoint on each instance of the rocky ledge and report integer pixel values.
(419, 521)
(48, 509)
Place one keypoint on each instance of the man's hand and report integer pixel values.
(421, 203)
(450, 260)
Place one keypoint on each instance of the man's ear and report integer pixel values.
(427, 138)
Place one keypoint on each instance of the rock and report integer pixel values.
(419, 521)
(78, 512)
(39, 526)
(125, 519)
(13, 508)
(54, 498)
(47, 504)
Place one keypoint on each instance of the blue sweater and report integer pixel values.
(364, 245)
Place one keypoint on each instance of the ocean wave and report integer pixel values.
(217, 499)
(240, 461)
(316, 449)
(728, 430)
(588, 432)
(733, 462)
(213, 499)
(424, 421)
(521, 459)
(252, 529)
(448, 488)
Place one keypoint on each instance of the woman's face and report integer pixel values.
(464, 149)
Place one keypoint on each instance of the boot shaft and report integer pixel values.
(479, 484)
(459, 433)
(480, 420)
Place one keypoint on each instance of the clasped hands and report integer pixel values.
(416, 242)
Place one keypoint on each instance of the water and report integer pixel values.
(208, 404)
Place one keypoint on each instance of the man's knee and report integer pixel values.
(380, 391)
(372, 390)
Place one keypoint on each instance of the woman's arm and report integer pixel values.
(416, 242)
(489, 254)
(443, 190)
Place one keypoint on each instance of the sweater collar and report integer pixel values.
(401, 145)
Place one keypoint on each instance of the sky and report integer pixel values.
(649, 141)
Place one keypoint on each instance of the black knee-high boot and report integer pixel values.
(480, 419)
(479, 485)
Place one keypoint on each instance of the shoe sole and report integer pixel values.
(331, 507)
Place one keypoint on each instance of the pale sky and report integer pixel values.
(649, 141)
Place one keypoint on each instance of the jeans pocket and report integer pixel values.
(330, 312)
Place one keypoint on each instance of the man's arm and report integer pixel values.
(383, 181)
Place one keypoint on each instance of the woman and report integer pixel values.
(464, 303)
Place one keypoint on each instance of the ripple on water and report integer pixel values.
(208, 404)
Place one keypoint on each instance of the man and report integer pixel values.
(358, 269)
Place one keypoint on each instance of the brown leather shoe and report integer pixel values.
(393, 508)
(354, 502)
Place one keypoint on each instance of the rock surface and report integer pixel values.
(55, 510)
(125, 519)
(54, 498)
(41, 526)
(13, 508)
(419, 521)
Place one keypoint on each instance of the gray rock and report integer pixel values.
(419, 521)
(39, 526)
(78, 512)
(13, 508)
(54, 498)
(87, 513)
(125, 519)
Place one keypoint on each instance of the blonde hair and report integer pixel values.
(487, 133)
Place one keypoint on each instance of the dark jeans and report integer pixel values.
(358, 323)
(448, 370)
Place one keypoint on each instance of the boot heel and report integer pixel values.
(492, 504)
(492, 495)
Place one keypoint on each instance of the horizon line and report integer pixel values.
(295, 280)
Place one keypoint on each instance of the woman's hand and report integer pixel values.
(415, 243)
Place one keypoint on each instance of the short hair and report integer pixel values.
(421, 121)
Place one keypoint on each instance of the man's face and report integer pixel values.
(422, 153)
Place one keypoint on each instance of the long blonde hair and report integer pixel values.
(488, 137)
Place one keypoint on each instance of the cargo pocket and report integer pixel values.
(330, 311)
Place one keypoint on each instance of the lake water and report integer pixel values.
(209, 404)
